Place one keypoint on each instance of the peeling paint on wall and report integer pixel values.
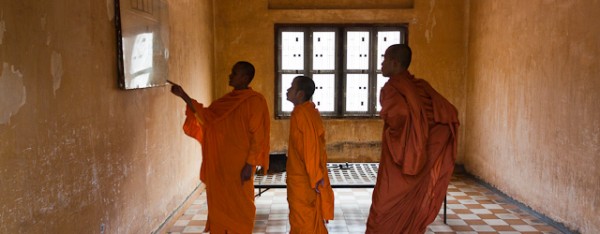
(62, 162)
(2, 27)
(12, 93)
(431, 22)
(56, 69)
(43, 22)
(110, 9)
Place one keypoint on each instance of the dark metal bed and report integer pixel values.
(341, 175)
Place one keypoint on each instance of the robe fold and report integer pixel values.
(419, 144)
(233, 130)
(307, 165)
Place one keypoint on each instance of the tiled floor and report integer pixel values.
(472, 208)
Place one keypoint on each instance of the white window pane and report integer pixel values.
(292, 50)
(324, 50)
(286, 83)
(381, 80)
(385, 40)
(324, 92)
(358, 49)
(357, 94)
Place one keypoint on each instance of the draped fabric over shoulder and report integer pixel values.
(234, 130)
(417, 160)
(307, 165)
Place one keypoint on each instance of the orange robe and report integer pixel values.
(417, 159)
(234, 130)
(306, 165)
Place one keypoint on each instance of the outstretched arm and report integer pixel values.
(178, 91)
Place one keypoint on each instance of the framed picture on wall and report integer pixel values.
(142, 28)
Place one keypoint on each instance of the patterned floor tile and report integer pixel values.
(471, 209)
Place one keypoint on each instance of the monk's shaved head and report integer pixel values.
(246, 68)
(307, 85)
(401, 53)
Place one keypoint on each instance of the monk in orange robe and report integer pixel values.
(310, 196)
(234, 133)
(418, 150)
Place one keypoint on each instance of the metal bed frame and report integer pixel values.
(341, 175)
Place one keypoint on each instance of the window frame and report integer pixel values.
(340, 71)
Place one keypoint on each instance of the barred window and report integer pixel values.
(344, 61)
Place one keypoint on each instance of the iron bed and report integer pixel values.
(341, 175)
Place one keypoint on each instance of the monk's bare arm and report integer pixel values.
(178, 91)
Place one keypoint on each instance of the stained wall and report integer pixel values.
(533, 116)
(244, 30)
(77, 154)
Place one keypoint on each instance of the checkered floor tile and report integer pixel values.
(471, 208)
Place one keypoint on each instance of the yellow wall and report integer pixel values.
(76, 152)
(533, 116)
(437, 33)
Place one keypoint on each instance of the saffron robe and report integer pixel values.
(417, 160)
(307, 165)
(233, 130)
